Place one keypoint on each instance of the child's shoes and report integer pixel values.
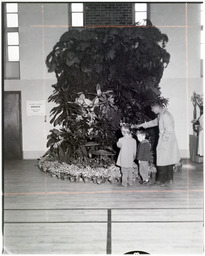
(143, 182)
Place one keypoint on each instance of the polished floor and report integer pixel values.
(45, 215)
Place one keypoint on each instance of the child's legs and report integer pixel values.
(130, 175)
(124, 176)
(144, 170)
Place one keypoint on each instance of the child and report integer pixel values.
(127, 154)
(143, 155)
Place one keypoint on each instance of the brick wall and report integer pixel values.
(108, 14)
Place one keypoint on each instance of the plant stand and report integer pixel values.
(103, 153)
(193, 143)
(91, 147)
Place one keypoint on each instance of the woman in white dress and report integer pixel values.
(167, 147)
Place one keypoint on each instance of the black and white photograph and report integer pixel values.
(102, 127)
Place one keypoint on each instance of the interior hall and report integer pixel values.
(73, 74)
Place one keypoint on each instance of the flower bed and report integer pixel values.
(75, 173)
(99, 175)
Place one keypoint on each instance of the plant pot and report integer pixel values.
(72, 179)
(104, 179)
(65, 177)
(62, 176)
(94, 179)
(86, 179)
(81, 179)
(99, 181)
(77, 178)
(113, 180)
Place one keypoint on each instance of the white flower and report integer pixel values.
(78, 118)
(80, 100)
(68, 130)
(55, 145)
(90, 131)
(96, 101)
(88, 102)
(98, 90)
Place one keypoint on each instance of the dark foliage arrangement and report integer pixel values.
(104, 76)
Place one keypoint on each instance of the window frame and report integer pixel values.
(10, 45)
(10, 30)
(147, 12)
(73, 12)
(10, 68)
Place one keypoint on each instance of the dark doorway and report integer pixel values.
(12, 138)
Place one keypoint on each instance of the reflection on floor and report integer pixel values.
(45, 215)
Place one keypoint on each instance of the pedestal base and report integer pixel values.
(193, 143)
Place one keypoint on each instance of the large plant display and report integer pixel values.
(104, 76)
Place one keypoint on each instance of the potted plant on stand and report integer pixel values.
(197, 101)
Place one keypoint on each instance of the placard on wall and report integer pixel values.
(36, 108)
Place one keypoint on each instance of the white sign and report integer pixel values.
(36, 108)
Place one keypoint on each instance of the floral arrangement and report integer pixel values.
(93, 110)
(77, 173)
(197, 100)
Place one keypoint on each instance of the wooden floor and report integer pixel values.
(45, 215)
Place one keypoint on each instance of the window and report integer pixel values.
(11, 41)
(77, 14)
(12, 34)
(140, 14)
(13, 46)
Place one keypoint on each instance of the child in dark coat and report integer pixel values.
(143, 156)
